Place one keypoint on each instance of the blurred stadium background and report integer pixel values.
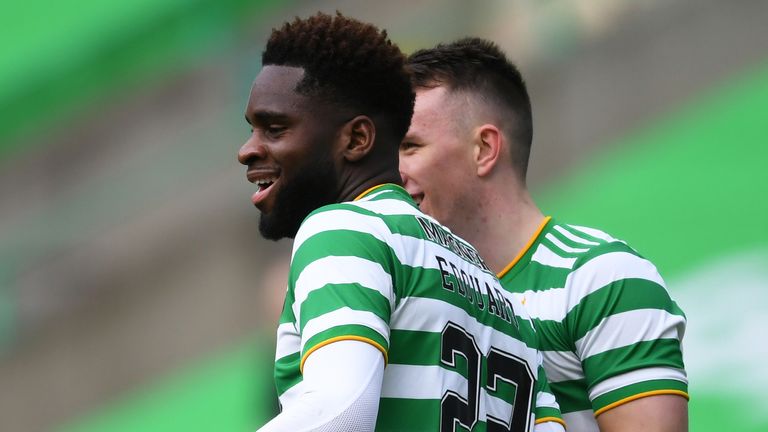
(135, 293)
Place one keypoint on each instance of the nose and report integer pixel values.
(405, 173)
(250, 150)
(404, 177)
(409, 184)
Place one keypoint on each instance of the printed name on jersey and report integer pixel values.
(469, 287)
(440, 235)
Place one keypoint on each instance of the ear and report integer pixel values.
(357, 137)
(487, 151)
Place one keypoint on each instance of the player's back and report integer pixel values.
(459, 349)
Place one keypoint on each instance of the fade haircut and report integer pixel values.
(349, 63)
(479, 66)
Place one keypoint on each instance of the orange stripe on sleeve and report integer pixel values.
(551, 419)
(341, 338)
(639, 396)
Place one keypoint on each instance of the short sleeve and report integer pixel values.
(546, 409)
(341, 280)
(627, 331)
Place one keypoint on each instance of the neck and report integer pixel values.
(355, 185)
(503, 224)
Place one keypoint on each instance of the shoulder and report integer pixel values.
(613, 290)
(379, 208)
(590, 250)
(376, 223)
(341, 234)
(382, 214)
(341, 216)
(595, 259)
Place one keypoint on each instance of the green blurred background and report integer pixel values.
(136, 294)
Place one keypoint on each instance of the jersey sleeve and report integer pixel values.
(546, 410)
(626, 329)
(341, 282)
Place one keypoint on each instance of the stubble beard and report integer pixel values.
(315, 186)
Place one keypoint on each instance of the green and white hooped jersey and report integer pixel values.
(460, 352)
(610, 332)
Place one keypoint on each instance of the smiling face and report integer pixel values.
(289, 152)
(436, 157)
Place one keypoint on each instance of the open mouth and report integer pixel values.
(264, 182)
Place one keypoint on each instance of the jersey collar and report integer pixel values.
(382, 187)
(526, 249)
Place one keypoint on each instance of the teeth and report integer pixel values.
(266, 181)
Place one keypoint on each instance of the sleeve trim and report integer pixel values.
(551, 419)
(640, 396)
(341, 338)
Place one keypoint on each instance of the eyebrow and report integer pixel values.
(265, 116)
(412, 137)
